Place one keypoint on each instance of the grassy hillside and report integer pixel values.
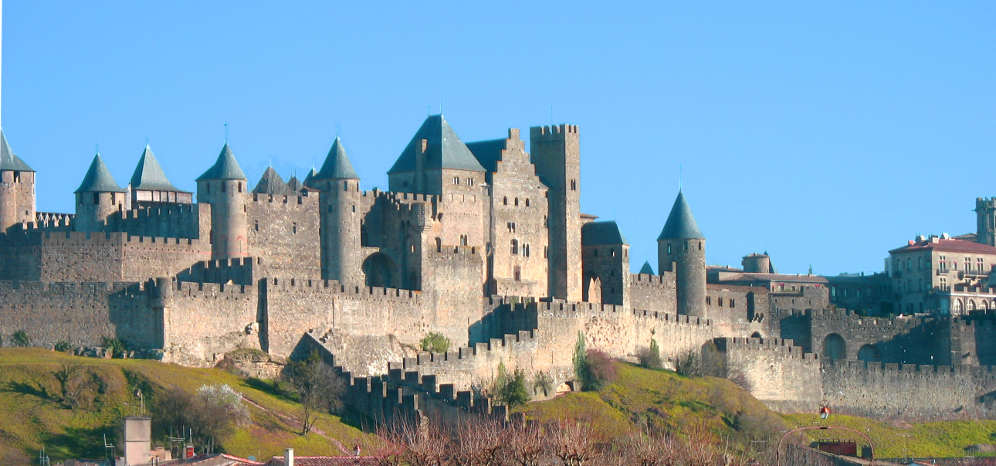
(31, 414)
(721, 412)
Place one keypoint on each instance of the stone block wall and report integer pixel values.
(203, 321)
(81, 314)
(775, 371)
(653, 292)
(163, 220)
(284, 231)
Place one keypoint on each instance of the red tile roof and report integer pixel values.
(947, 245)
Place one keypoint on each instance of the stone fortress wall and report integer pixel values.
(493, 259)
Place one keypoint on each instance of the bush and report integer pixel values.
(600, 370)
(212, 413)
(20, 338)
(63, 346)
(510, 388)
(651, 357)
(580, 364)
(114, 345)
(689, 364)
(542, 381)
(435, 343)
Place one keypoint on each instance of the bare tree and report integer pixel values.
(318, 388)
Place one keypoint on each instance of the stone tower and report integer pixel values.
(681, 249)
(17, 188)
(339, 196)
(97, 197)
(985, 212)
(224, 187)
(555, 152)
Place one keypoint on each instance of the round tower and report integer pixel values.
(98, 197)
(756, 263)
(339, 197)
(681, 249)
(17, 188)
(224, 186)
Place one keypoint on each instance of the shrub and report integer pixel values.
(63, 346)
(689, 364)
(651, 357)
(510, 388)
(435, 343)
(20, 338)
(78, 387)
(580, 363)
(600, 370)
(114, 345)
(542, 381)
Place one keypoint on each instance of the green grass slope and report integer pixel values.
(31, 415)
(718, 411)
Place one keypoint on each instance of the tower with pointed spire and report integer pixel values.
(224, 187)
(17, 188)
(681, 249)
(149, 183)
(98, 197)
(339, 195)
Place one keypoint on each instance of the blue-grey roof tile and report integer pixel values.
(149, 174)
(444, 149)
(680, 223)
(337, 165)
(225, 168)
(98, 179)
(601, 233)
(9, 161)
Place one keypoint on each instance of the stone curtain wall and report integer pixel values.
(789, 380)
(205, 321)
(163, 220)
(77, 256)
(653, 292)
(81, 314)
(283, 231)
(909, 391)
(973, 340)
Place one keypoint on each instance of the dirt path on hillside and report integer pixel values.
(294, 422)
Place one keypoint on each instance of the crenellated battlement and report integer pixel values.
(197, 289)
(302, 201)
(50, 220)
(334, 286)
(554, 130)
(785, 348)
(648, 279)
(524, 340)
(92, 288)
(925, 371)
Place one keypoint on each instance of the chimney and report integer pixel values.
(289, 457)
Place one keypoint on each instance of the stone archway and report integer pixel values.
(834, 347)
(379, 270)
(870, 353)
(756, 335)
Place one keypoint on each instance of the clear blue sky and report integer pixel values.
(824, 135)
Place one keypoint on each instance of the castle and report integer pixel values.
(483, 242)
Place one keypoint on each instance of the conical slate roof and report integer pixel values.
(225, 168)
(337, 165)
(444, 149)
(293, 184)
(149, 174)
(647, 269)
(9, 161)
(271, 183)
(309, 181)
(680, 223)
(98, 179)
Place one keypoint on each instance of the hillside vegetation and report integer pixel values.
(716, 411)
(34, 413)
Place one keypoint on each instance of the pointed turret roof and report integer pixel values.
(98, 179)
(293, 184)
(225, 168)
(309, 181)
(9, 161)
(271, 183)
(337, 165)
(149, 174)
(444, 149)
(647, 269)
(680, 223)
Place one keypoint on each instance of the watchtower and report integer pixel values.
(97, 197)
(224, 187)
(17, 188)
(555, 152)
(681, 249)
(339, 195)
(985, 213)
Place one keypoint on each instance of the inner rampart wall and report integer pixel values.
(203, 321)
(284, 231)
